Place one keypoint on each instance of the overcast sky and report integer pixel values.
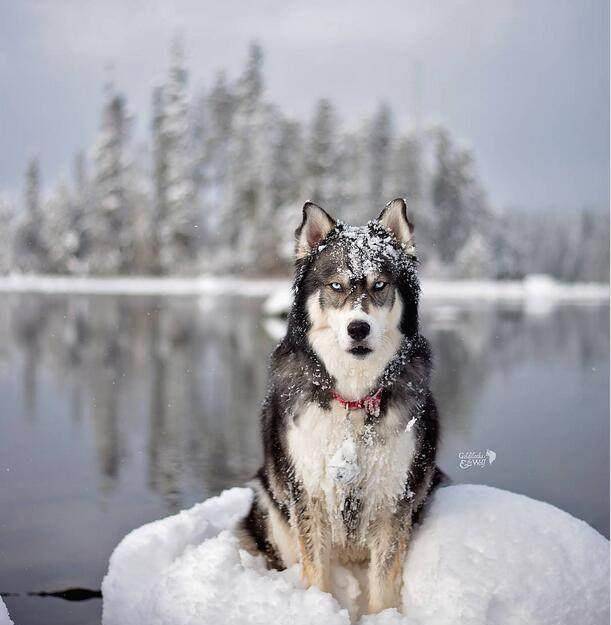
(524, 83)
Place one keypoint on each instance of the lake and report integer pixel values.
(117, 410)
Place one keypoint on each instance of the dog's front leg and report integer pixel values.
(313, 535)
(387, 554)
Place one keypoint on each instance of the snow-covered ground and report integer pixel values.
(482, 557)
(533, 287)
(141, 285)
(4, 616)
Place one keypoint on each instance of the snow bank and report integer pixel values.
(483, 557)
(4, 617)
(142, 285)
(278, 289)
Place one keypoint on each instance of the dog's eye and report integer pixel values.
(379, 285)
(336, 286)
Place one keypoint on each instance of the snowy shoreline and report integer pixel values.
(533, 287)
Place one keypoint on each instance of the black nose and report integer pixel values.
(358, 330)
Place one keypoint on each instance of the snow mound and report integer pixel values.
(483, 556)
(4, 616)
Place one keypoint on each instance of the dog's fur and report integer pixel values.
(340, 485)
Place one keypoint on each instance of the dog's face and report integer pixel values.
(354, 286)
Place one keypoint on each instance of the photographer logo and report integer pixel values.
(468, 459)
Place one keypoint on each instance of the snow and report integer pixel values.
(142, 285)
(278, 303)
(4, 616)
(343, 468)
(278, 291)
(482, 557)
(368, 247)
(511, 290)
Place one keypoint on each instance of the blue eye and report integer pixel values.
(379, 285)
(336, 286)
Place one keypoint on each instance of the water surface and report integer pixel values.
(119, 410)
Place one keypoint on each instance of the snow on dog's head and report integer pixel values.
(357, 291)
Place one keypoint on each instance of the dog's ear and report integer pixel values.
(394, 217)
(316, 225)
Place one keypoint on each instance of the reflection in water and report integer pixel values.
(205, 371)
(155, 402)
(486, 340)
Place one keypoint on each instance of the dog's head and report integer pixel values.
(356, 287)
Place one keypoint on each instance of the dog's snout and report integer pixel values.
(358, 330)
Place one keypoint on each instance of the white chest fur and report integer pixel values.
(336, 454)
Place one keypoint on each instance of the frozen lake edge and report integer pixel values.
(532, 287)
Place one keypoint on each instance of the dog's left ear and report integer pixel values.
(316, 225)
(394, 217)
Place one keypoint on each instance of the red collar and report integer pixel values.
(371, 403)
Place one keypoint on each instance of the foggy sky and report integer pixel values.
(524, 83)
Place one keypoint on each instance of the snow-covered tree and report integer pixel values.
(221, 184)
(176, 224)
(407, 171)
(246, 209)
(409, 178)
(286, 171)
(30, 254)
(350, 192)
(214, 132)
(457, 199)
(6, 236)
(287, 166)
(379, 150)
(475, 259)
(59, 231)
(321, 155)
(107, 234)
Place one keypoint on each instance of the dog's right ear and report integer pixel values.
(316, 225)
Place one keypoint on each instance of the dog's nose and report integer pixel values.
(358, 330)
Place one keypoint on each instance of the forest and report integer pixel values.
(217, 186)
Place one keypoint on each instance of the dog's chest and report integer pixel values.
(348, 462)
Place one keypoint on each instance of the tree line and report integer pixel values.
(218, 186)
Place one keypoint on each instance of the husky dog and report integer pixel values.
(349, 424)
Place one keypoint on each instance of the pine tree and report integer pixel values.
(215, 131)
(379, 151)
(350, 192)
(246, 207)
(409, 178)
(457, 199)
(475, 259)
(177, 223)
(285, 185)
(407, 171)
(59, 231)
(287, 165)
(321, 155)
(6, 236)
(80, 199)
(30, 253)
(107, 234)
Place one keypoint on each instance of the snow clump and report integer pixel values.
(482, 556)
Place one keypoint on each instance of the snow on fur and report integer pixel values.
(483, 556)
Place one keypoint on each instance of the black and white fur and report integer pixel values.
(340, 485)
